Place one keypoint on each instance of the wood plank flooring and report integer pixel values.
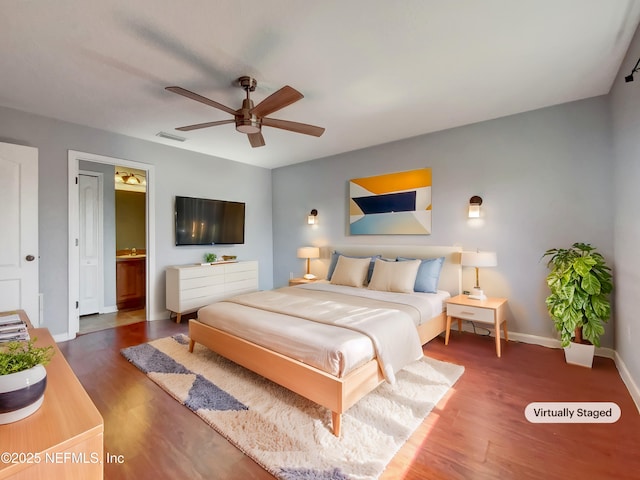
(478, 431)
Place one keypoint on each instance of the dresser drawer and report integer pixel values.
(471, 313)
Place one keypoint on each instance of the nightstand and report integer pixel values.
(489, 310)
(301, 281)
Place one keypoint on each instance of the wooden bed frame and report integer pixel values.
(336, 394)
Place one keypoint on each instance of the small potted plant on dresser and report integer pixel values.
(580, 282)
(23, 379)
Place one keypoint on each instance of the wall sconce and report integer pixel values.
(308, 253)
(629, 78)
(312, 218)
(474, 206)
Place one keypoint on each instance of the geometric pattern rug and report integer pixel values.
(286, 434)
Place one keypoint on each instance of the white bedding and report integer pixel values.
(334, 350)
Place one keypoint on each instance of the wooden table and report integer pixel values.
(490, 310)
(63, 439)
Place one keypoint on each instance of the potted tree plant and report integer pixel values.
(580, 282)
(23, 379)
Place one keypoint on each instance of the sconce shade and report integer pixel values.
(474, 206)
(308, 252)
(312, 218)
(479, 259)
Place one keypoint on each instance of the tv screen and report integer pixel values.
(201, 221)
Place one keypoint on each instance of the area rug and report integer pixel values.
(287, 434)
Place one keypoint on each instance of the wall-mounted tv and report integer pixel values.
(202, 221)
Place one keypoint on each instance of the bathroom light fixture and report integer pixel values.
(308, 253)
(312, 218)
(474, 206)
(128, 178)
(629, 78)
(476, 260)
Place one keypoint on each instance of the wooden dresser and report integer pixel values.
(63, 439)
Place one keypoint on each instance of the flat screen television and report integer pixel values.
(202, 221)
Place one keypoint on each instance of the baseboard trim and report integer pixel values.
(62, 337)
(634, 391)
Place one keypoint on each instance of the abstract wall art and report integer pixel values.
(391, 204)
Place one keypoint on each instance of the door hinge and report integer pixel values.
(76, 242)
(77, 304)
(76, 180)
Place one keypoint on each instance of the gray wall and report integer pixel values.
(177, 172)
(625, 112)
(545, 177)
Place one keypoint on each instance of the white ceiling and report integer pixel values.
(371, 71)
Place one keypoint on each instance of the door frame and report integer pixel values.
(74, 158)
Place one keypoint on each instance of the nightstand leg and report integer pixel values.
(447, 331)
(497, 330)
(459, 325)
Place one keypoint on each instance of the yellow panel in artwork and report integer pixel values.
(354, 209)
(394, 182)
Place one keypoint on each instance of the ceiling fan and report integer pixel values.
(249, 119)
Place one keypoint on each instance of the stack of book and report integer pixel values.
(12, 328)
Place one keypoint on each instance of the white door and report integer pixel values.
(90, 244)
(19, 238)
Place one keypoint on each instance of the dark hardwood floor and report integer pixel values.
(478, 431)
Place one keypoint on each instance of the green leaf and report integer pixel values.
(591, 284)
(592, 332)
(601, 307)
(583, 265)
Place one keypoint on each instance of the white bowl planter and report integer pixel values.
(579, 354)
(21, 393)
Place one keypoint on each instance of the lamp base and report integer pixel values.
(477, 294)
(309, 276)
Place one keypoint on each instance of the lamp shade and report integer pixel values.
(308, 252)
(479, 259)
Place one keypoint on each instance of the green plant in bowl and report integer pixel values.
(18, 356)
(210, 257)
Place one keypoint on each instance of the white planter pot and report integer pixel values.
(579, 354)
(21, 393)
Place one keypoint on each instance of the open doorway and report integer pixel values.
(110, 245)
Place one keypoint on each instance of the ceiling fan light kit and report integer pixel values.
(249, 119)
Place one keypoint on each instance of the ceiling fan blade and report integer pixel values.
(256, 139)
(204, 125)
(277, 100)
(201, 99)
(293, 126)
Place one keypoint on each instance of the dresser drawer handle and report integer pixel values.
(467, 313)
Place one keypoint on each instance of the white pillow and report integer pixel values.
(351, 271)
(394, 276)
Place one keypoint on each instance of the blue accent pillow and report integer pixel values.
(428, 274)
(334, 261)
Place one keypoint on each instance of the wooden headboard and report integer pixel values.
(450, 276)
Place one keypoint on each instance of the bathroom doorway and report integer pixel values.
(122, 288)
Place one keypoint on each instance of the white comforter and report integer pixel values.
(301, 322)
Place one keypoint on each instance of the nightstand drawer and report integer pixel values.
(471, 313)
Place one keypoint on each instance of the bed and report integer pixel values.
(333, 344)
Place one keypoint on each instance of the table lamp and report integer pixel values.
(309, 253)
(477, 260)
